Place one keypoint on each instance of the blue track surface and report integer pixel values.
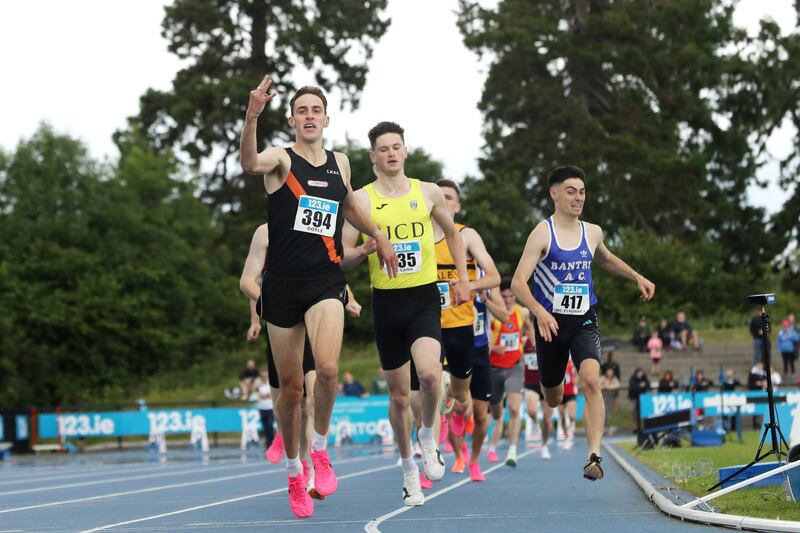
(182, 491)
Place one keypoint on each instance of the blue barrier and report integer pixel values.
(656, 404)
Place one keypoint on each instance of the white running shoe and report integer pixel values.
(417, 451)
(546, 453)
(412, 491)
(432, 459)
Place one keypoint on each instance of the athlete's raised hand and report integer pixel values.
(386, 256)
(259, 97)
(460, 291)
(646, 287)
(548, 327)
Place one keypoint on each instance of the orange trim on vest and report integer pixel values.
(298, 191)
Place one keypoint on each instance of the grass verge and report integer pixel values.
(696, 469)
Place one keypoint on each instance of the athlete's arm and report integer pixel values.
(353, 254)
(359, 219)
(255, 323)
(352, 307)
(615, 265)
(527, 327)
(495, 333)
(251, 274)
(475, 247)
(496, 306)
(268, 160)
(455, 243)
(534, 250)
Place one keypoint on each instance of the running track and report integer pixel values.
(182, 491)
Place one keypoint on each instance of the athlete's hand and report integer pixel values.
(548, 327)
(354, 308)
(646, 287)
(386, 256)
(253, 332)
(459, 288)
(369, 246)
(259, 97)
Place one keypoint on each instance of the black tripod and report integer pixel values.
(772, 426)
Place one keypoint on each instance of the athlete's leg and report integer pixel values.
(553, 395)
(480, 410)
(496, 409)
(325, 322)
(425, 351)
(594, 410)
(531, 407)
(287, 345)
(572, 412)
(399, 383)
(547, 422)
(308, 420)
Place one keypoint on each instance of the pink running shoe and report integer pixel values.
(300, 502)
(443, 431)
(475, 473)
(465, 451)
(448, 447)
(493, 457)
(275, 451)
(324, 479)
(457, 424)
(424, 482)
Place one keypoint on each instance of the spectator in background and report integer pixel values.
(790, 318)
(665, 333)
(758, 335)
(612, 364)
(379, 385)
(667, 383)
(655, 346)
(701, 382)
(787, 342)
(641, 334)
(757, 380)
(684, 332)
(247, 379)
(609, 386)
(352, 387)
(730, 382)
(637, 386)
(265, 409)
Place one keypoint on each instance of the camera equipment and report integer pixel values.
(761, 299)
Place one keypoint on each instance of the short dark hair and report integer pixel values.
(449, 183)
(505, 284)
(382, 128)
(561, 174)
(308, 89)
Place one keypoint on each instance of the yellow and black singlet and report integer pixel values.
(407, 222)
(464, 314)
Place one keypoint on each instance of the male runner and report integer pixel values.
(533, 396)
(304, 285)
(556, 264)
(406, 309)
(507, 373)
(458, 322)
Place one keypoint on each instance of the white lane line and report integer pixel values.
(231, 500)
(161, 487)
(130, 478)
(372, 525)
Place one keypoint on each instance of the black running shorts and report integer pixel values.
(481, 384)
(401, 316)
(285, 301)
(458, 345)
(577, 335)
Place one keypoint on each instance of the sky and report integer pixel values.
(82, 65)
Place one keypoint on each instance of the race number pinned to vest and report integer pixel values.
(316, 215)
(510, 341)
(479, 326)
(531, 361)
(444, 294)
(409, 257)
(571, 299)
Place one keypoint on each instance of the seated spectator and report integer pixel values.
(379, 385)
(701, 382)
(684, 333)
(353, 387)
(667, 383)
(612, 364)
(640, 334)
(665, 333)
(655, 346)
(637, 385)
(757, 380)
(787, 341)
(247, 379)
(609, 387)
(730, 383)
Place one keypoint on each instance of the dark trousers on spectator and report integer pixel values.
(267, 424)
(788, 362)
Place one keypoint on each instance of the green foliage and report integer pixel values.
(107, 274)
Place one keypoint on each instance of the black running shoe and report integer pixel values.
(593, 471)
